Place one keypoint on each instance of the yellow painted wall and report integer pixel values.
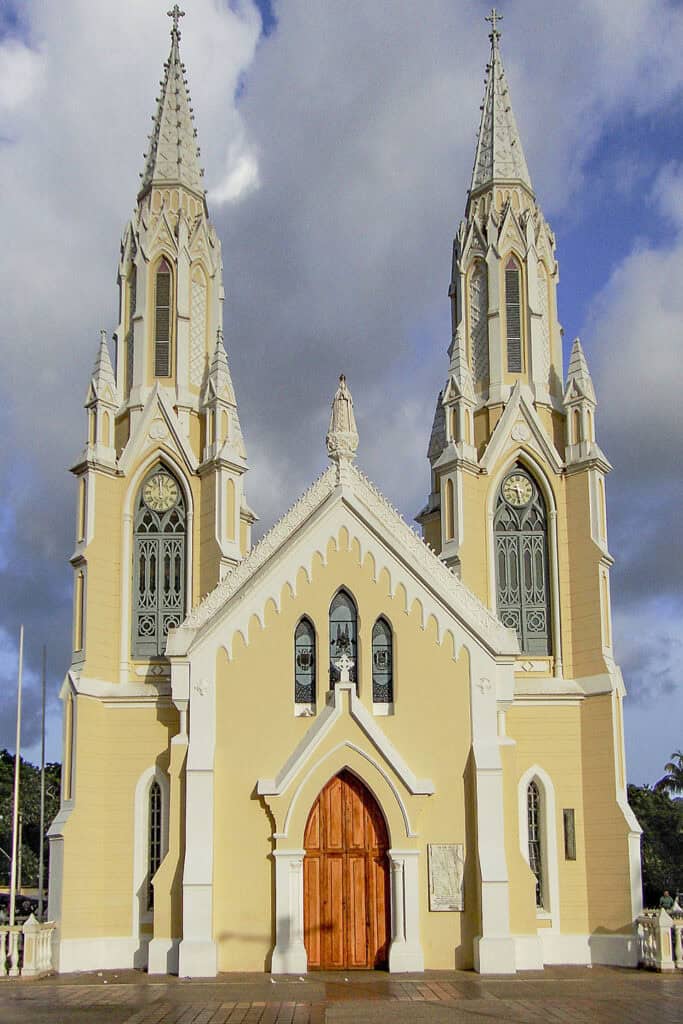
(430, 728)
(114, 746)
(609, 884)
(552, 738)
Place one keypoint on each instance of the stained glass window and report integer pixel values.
(534, 824)
(521, 552)
(158, 570)
(304, 663)
(343, 634)
(382, 663)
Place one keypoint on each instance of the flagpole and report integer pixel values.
(15, 809)
(42, 793)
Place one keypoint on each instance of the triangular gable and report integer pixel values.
(329, 506)
(162, 236)
(520, 412)
(157, 425)
(475, 243)
(201, 244)
(321, 728)
(511, 234)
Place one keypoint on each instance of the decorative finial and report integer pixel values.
(494, 17)
(342, 436)
(176, 14)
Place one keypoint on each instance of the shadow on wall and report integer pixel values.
(470, 919)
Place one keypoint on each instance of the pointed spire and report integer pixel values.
(579, 381)
(219, 384)
(102, 385)
(459, 371)
(342, 436)
(499, 155)
(173, 155)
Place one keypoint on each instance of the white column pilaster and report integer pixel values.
(405, 952)
(289, 955)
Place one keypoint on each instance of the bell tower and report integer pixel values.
(162, 510)
(513, 449)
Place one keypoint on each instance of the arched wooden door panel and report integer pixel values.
(346, 879)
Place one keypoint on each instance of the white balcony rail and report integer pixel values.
(660, 936)
(26, 949)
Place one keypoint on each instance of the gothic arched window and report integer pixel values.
(534, 827)
(162, 320)
(158, 562)
(513, 315)
(304, 663)
(521, 553)
(382, 663)
(154, 840)
(343, 634)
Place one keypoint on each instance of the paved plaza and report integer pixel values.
(563, 994)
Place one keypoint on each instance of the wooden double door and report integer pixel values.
(346, 879)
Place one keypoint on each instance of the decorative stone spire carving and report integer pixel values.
(499, 155)
(220, 404)
(102, 384)
(579, 382)
(173, 155)
(579, 406)
(342, 436)
(102, 402)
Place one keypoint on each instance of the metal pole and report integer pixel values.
(15, 809)
(42, 793)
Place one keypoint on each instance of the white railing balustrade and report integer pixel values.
(26, 949)
(660, 937)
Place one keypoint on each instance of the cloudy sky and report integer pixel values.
(338, 140)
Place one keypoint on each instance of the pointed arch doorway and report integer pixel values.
(346, 879)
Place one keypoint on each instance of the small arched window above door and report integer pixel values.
(382, 663)
(343, 636)
(304, 663)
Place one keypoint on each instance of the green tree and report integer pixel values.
(29, 808)
(661, 819)
(673, 780)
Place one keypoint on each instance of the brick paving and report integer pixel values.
(555, 996)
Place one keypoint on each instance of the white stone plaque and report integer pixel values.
(446, 868)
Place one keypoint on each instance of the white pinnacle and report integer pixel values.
(342, 436)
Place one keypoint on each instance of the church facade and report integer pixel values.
(363, 748)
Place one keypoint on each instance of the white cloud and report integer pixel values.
(22, 75)
(242, 177)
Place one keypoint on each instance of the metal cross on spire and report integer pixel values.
(176, 14)
(494, 17)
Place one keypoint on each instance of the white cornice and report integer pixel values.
(122, 694)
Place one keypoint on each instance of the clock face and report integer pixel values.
(517, 490)
(160, 493)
